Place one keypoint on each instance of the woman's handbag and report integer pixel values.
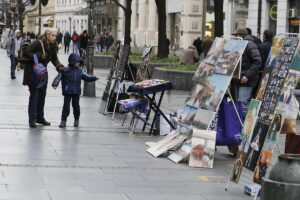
(227, 123)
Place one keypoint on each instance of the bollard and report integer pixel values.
(284, 180)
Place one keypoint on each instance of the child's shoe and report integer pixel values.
(62, 124)
(76, 123)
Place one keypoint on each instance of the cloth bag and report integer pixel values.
(227, 123)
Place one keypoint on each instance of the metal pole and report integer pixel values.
(40, 17)
(89, 88)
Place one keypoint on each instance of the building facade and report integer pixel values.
(279, 16)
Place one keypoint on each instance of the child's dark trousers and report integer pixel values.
(75, 104)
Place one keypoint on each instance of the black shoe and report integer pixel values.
(44, 122)
(32, 125)
(76, 123)
(62, 124)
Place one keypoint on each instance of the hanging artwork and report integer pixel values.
(237, 168)
(203, 74)
(203, 148)
(230, 56)
(263, 83)
(215, 50)
(276, 47)
(250, 119)
(289, 86)
(210, 96)
(256, 145)
(262, 166)
(203, 119)
(275, 128)
(188, 114)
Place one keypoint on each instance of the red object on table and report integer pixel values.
(292, 144)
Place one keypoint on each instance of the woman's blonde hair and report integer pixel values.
(48, 31)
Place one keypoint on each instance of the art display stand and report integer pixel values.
(212, 80)
(268, 114)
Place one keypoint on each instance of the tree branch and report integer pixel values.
(119, 4)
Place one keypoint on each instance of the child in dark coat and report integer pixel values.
(71, 88)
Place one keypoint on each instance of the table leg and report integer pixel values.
(148, 115)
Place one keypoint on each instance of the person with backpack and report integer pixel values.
(46, 51)
(75, 42)
(14, 44)
(67, 41)
(71, 88)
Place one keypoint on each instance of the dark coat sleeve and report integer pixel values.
(255, 58)
(87, 77)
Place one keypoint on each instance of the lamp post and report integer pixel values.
(89, 88)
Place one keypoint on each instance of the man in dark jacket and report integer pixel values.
(267, 44)
(71, 88)
(109, 40)
(83, 43)
(251, 62)
(67, 41)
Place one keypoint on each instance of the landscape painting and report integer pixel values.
(203, 119)
(203, 148)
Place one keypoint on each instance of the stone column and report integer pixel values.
(152, 24)
(282, 25)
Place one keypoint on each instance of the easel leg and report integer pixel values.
(117, 97)
(148, 115)
(242, 124)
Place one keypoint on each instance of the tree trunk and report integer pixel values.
(219, 26)
(20, 10)
(128, 11)
(163, 47)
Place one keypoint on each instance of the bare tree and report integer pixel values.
(127, 10)
(163, 44)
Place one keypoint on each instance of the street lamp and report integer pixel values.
(44, 3)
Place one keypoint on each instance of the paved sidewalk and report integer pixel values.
(98, 160)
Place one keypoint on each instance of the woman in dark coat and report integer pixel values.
(38, 95)
(67, 41)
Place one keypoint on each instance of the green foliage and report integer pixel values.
(182, 67)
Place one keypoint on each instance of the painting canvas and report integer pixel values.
(263, 83)
(276, 46)
(237, 167)
(215, 50)
(250, 119)
(203, 74)
(182, 153)
(289, 86)
(203, 148)
(188, 114)
(203, 119)
(210, 96)
(230, 56)
(237, 71)
(262, 166)
(154, 148)
(159, 150)
(275, 127)
(256, 145)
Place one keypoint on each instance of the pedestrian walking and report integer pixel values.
(251, 62)
(109, 40)
(83, 43)
(97, 41)
(46, 50)
(75, 41)
(198, 43)
(71, 88)
(67, 41)
(102, 41)
(14, 44)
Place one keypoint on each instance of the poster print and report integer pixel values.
(230, 56)
(210, 96)
(256, 145)
(188, 114)
(237, 167)
(203, 74)
(276, 47)
(250, 119)
(263, 83)
(203, 119)
(289, 86)
(275, 128)
(262, 166)
(182, 153)
(203, 148)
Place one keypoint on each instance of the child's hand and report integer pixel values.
(97, 77)
(54, 88)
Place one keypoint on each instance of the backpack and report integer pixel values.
(39, 75)
(75, 37)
